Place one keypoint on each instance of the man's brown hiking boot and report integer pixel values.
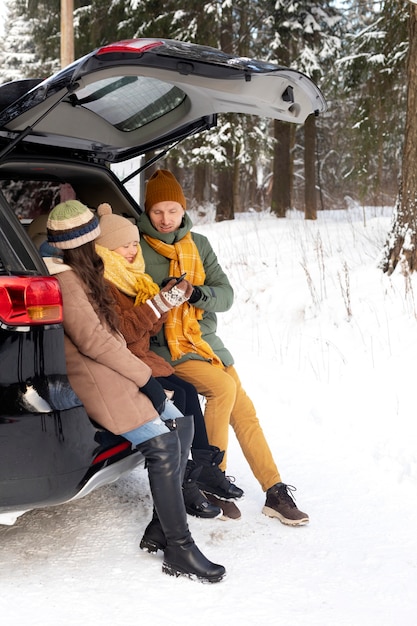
(279, 503)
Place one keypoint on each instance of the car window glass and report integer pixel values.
(14, 258)
(130, 102)
(30, 198)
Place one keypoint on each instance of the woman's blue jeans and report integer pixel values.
(155, 427)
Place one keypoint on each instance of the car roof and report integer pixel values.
(133, 96)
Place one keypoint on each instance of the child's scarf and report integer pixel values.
(182, 330)
(130, 278)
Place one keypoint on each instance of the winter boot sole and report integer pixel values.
(284, 520)
(207, 490)
(172, 570)
(151, 546)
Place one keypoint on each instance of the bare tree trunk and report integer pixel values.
(281, 187)
(250, 189)
(237, 206)
(224, 207)
(282, 170)
(310, 196)
(200, 184)
(402, 241)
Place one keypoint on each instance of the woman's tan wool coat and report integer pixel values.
(103, 372)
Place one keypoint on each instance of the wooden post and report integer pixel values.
(67, 32)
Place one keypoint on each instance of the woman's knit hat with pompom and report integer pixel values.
(116, 231)
(71, 224)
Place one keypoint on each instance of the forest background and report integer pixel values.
(355, 51)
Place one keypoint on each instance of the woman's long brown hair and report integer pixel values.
(88, 265)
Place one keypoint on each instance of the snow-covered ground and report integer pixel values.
(325, 344)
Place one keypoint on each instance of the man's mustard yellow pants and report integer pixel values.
(227, 403)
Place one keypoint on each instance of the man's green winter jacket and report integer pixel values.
(216, 293)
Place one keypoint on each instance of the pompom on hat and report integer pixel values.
(71, 224)
(161, 187)
(116, 231)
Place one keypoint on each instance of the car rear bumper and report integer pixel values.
(48, 459)
(104, 476)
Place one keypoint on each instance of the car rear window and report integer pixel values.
(15, 258)
(130, 102)
(30, 198)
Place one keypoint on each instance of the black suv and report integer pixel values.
(121, 101)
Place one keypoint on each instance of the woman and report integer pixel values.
(118, 389)
(190, 341)
(142, 309)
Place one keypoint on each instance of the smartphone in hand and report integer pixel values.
(177, 279)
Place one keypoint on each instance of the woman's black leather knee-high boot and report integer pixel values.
(153, 538)
(181, 555)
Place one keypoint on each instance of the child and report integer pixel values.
(142, 309)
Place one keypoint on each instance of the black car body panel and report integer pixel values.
(50, 451)
(57, 447)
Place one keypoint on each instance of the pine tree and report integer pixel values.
(357, 143)
(372, 99)
(19, 55)
(401, 244)
(305, 35)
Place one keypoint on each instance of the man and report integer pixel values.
(189, 340)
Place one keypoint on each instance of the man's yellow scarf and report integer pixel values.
(182, 330)
(128, 277)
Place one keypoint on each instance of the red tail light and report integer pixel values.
(103, 456)
(31, 300)
(130, 45)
